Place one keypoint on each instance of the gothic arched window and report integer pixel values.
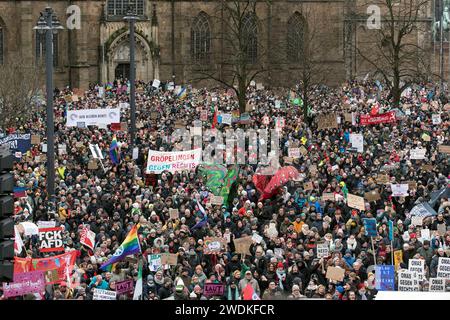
(296, 29)
(120, 7)
(200, 38)
(250, 35)
(40, 47)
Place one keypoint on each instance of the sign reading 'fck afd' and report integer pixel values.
(50, 239)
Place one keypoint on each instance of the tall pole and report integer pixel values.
(441, 42)
(132, 85)
(50, 122)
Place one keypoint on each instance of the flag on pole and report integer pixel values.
(18, 242)
(391, 230)
(182, 93)
(114, 151)
(87, 238)
(204, 219)
(96, 152)
(249, 293)
(215, 120)
(138, 288)
(128, 247)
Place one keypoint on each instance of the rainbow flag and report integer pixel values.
(182, 93)
(114, 151)
(128, 247)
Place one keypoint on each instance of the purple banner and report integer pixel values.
(24, 283)
(213, 289)
(124, 286)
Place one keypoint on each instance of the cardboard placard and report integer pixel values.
(92, 164)
(444, 149)
(328, 196)
(308, 186)
(416, 220)
(288, 160)
(123, 126)
(294, 152)
(427, 167)
(174, 213)
(327, 121)
(242, 245)
(154, 115)
(35, 139)
(303, 150)
(213, 245)
(216, 200)
(323, 251)
(372, 195)
(335, 273)
(382, 179)
(169, 258)
(356, 202)
(347, 117)
(441, 229)
(412, 185)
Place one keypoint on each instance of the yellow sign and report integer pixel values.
(398, 258)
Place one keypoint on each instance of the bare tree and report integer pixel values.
(19, 85)
(239, 54)
(308, 47)
(394, 50)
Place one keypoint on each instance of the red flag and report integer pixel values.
(248, 293)
(214, 123)
(87, 237)
(375, 109)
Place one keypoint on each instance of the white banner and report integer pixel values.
(92, 117)
(357, 141)
(417, 154)
(100, 294)
(399, 190)
(173, 161)
(443, 270)
(408, 281)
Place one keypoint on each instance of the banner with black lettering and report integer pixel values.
(50, 239)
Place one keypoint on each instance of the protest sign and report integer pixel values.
(87, 238)
(227, 118)
(328, 196)
(385, 277)
(174, 213)
(92, 165)
(356, 202)
(24, 283)
(327, 121)
(412, 185)
(204, 115)
(425, 234)
(372, 195)
(156, 83)
(50, 239)
(383, 179)
(124, 286)
(416, 220)
(423, 210)
(436, 119)
(96, 151)
(46, 224)
(92, 117)
(368, 119)
(443, 270)
(56, 268)
(441, 229)
(399, 190)
(418, 266)
(417, 154)
(370, 226)
(408, 281)
(169, 258)
(213, 245)
(442, 149)
(288, 160)
(357, 141)
(335, 273)
(35, 139)
(437, 285)
(101, 294)
(173, 161)
(313, 169)
(347, 117)
(242, 245)
(154, 261)
(308, 186)
(213, 289)
(216, 200)
(323, 251)
(257, 238)
(398, 258)
(245, 118)
(294, 152)
(303, 150)
(426, 137)
(19, 144)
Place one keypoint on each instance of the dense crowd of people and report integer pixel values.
(291, 222)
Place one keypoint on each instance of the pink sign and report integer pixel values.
(27, 282)
(367, 119)
(124, 286)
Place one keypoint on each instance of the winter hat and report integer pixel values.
(180, 286)
(340, 289)
(192, 295)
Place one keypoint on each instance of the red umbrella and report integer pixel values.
(281, 177)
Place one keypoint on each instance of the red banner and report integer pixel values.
(367, 119)
(56, 268)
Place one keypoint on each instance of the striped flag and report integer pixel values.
(18, 242)
(114, 151)
(138, 288)
(96, 152)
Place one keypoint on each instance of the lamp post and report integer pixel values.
(48, 24)
(131, 17)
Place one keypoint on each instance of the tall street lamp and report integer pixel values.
(131, 17)
(49, 24)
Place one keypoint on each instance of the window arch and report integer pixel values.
(296, 30)
(250, 35)
(120, 7)
(40, 47)
(200, 38)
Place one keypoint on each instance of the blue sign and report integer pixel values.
(385, 277)
(19, 143)
(370, 225)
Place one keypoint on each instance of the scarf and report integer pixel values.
(280, 275)
(230, 295)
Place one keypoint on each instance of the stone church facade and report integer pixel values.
(166, 38)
